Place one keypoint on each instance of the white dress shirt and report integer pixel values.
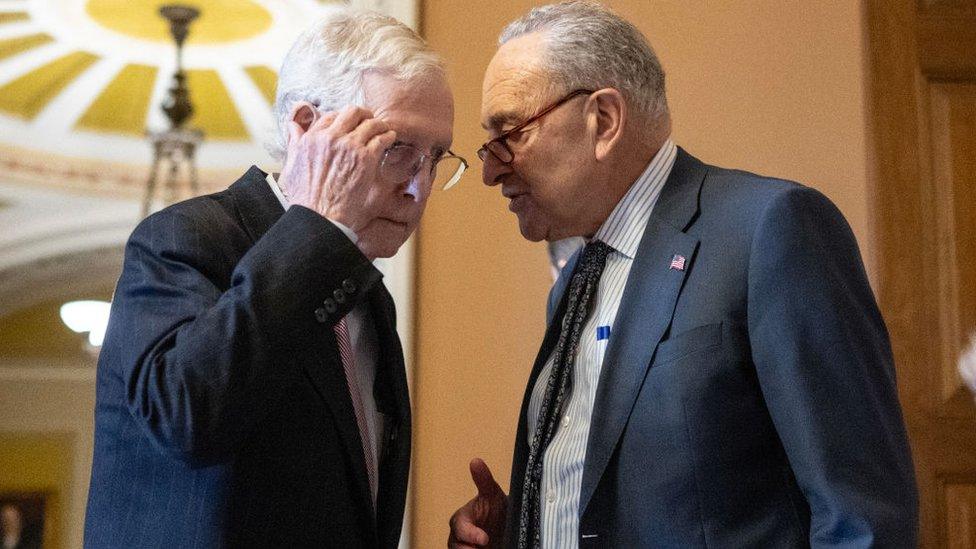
(362, 336)
(562, 473)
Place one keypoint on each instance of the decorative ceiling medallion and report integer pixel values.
(220, 20)
(81, 81)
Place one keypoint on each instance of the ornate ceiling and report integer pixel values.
(82, 80)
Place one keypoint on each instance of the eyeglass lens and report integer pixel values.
(403, 162)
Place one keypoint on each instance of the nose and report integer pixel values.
(493, 169)
(417, 189)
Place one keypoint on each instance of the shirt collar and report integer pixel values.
(625, 226)
(277, 191)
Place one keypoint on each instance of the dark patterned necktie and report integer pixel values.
(582, 290)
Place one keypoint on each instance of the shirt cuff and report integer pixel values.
(345, 230)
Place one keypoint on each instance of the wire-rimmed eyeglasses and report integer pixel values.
(498, 146)
(402, 162)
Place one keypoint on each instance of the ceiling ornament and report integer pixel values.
(81, 82)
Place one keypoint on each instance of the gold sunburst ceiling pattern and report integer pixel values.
(83, 79)
(220, 21)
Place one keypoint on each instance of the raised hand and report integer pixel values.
(481, 522)
(332, 165)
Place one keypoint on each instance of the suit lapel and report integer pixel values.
(259, 209)
(645, 313)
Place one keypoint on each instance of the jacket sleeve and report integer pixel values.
(824, 363)
(200, 365)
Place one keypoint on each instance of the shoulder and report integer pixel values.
(747, 199)
(201, 232)
(202, 215)
(743, 188)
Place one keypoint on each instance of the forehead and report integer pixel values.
(421, 111)
(514, 82)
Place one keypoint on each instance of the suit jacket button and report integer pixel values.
(349, 286)
(339, 296)
(330, 305)
(321, 315)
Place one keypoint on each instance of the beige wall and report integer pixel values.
(771, 86)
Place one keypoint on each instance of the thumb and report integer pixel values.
(483, 479)
(295, 131)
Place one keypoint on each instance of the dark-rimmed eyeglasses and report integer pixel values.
(402, 162)
(498, 147)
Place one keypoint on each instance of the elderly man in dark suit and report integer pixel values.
(251, 390)
(715, 372)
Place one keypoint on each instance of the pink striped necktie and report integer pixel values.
(349, 365)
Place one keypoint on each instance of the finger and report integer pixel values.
(348, 118)
(453, 543)
(368, 129)
(483, 479)
(458, 545)
(295, 132)
(381, 142)
(324, 120)
(465, 532)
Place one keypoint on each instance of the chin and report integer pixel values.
(385, 251)
(532, 233)
(388, 247)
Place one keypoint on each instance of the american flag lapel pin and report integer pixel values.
(678, 262)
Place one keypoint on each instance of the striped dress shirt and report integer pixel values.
(563, 461)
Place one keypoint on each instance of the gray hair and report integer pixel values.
(590, 47)
(326, 64)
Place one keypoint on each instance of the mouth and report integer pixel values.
(391, 220)
(516, 196)
(511, 193)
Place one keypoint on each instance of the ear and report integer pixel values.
(303, 114)
(608, 113)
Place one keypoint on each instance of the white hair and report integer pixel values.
(587, 46)
(326, 64)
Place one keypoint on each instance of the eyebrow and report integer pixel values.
(499, 119)
(437, 151)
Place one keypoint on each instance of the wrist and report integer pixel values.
(346, 230)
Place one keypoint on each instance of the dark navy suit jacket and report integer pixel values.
(223, 418)
(749, 399)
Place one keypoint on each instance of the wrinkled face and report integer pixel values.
(546, 182)
(422, 115)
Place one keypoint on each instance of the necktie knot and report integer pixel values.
(594, 258)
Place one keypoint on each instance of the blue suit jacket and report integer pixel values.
(749, 399)
(223, 418)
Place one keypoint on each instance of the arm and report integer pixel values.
(200, 365)
(824, 364)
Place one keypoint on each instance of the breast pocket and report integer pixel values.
(690, 341)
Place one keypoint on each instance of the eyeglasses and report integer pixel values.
(498, 146)
(402, 162)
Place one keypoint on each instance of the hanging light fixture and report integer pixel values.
(174, 149)
(87, 316)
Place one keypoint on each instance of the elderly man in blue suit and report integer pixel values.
(251, 389)
(715, 372)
